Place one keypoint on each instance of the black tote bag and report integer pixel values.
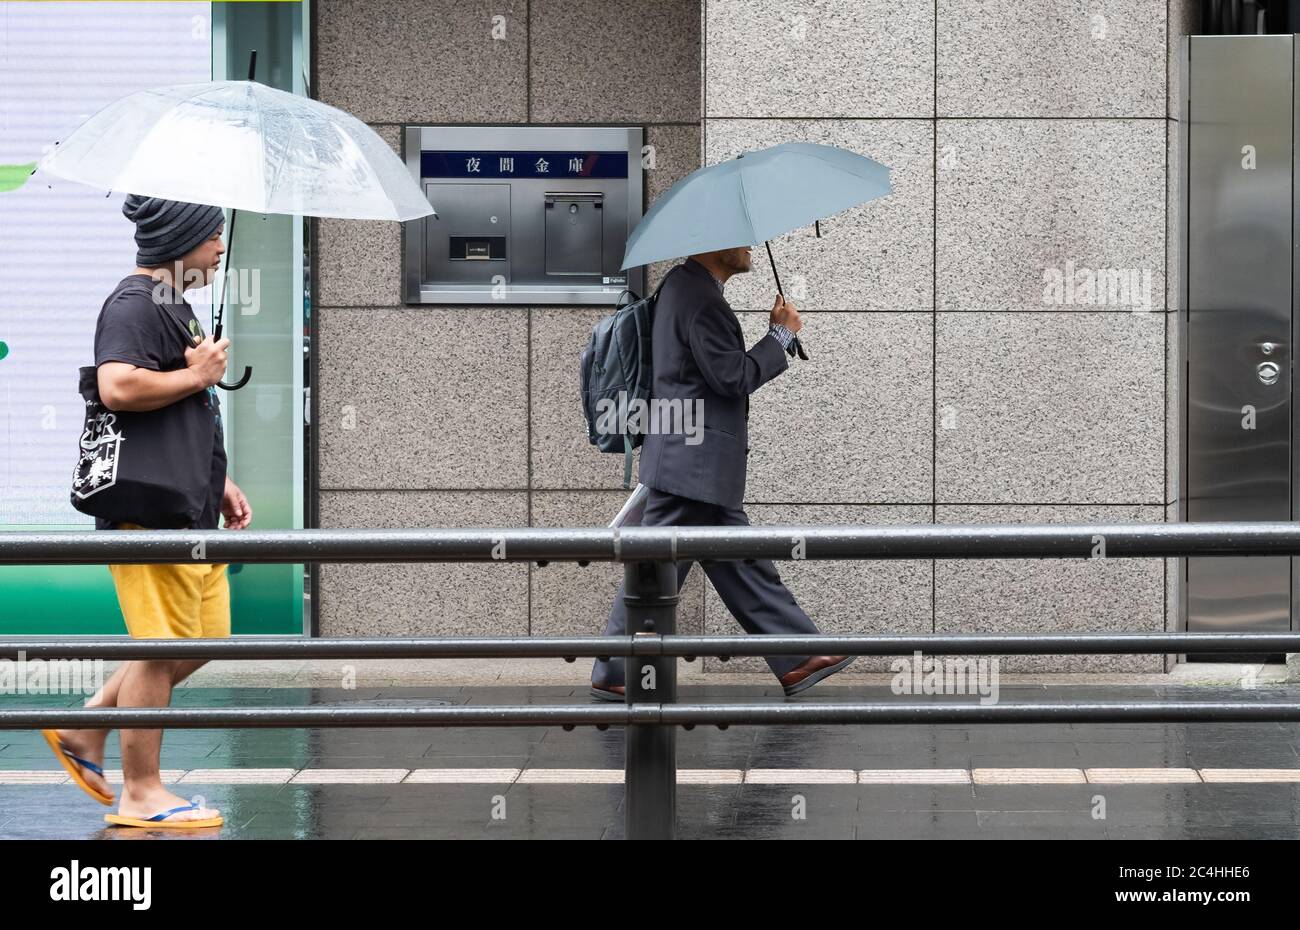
(153, 467)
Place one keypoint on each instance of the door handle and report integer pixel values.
(1268, 372)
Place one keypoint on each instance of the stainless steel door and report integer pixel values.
(478, 212)
(575, 233)
(1239, 319)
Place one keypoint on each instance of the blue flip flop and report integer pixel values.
(160, 821)
(74, 765)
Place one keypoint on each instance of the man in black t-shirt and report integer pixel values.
(141, 366)
(132, 332)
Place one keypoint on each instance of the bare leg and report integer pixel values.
(185, 668)
(89, 744)
(149, 684)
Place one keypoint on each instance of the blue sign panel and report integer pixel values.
(493, 164)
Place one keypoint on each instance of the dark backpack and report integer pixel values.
(617, 369)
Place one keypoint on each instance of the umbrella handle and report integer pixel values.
(216, 330)
(794, 343)
(230, 244)
(248, 370)
(248, 373)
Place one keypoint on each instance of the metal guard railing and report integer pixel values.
(648, 554)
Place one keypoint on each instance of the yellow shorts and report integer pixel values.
(172, 601)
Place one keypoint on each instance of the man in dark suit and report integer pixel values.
(697, 477)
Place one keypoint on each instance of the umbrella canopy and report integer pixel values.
(754, 197)
(243, 146)
(240, 145)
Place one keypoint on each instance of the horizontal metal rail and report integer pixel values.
(121, 648)
(687, 715)
(651, 713)
(656, 544)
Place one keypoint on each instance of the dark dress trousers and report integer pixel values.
(699, 353)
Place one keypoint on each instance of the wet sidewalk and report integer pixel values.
(1068, 781)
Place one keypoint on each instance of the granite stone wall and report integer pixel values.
(946, 384)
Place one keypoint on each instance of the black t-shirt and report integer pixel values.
(132, 329)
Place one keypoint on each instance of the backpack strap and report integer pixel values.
(627, 440)
(632, 295)
(185, 333)
(664, 280)
(186, 336)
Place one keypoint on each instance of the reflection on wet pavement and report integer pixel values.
(396, 784)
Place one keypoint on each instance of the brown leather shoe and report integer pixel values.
(611, 693)
(812, 671)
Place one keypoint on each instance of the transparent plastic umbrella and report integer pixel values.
(243, 146)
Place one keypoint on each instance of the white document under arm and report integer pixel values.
(633, 509)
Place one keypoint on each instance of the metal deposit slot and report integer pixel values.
(530, 215)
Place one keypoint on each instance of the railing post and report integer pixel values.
(650, 776)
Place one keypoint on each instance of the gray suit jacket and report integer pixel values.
(699, 355)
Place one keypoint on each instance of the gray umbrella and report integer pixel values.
(754, 197)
